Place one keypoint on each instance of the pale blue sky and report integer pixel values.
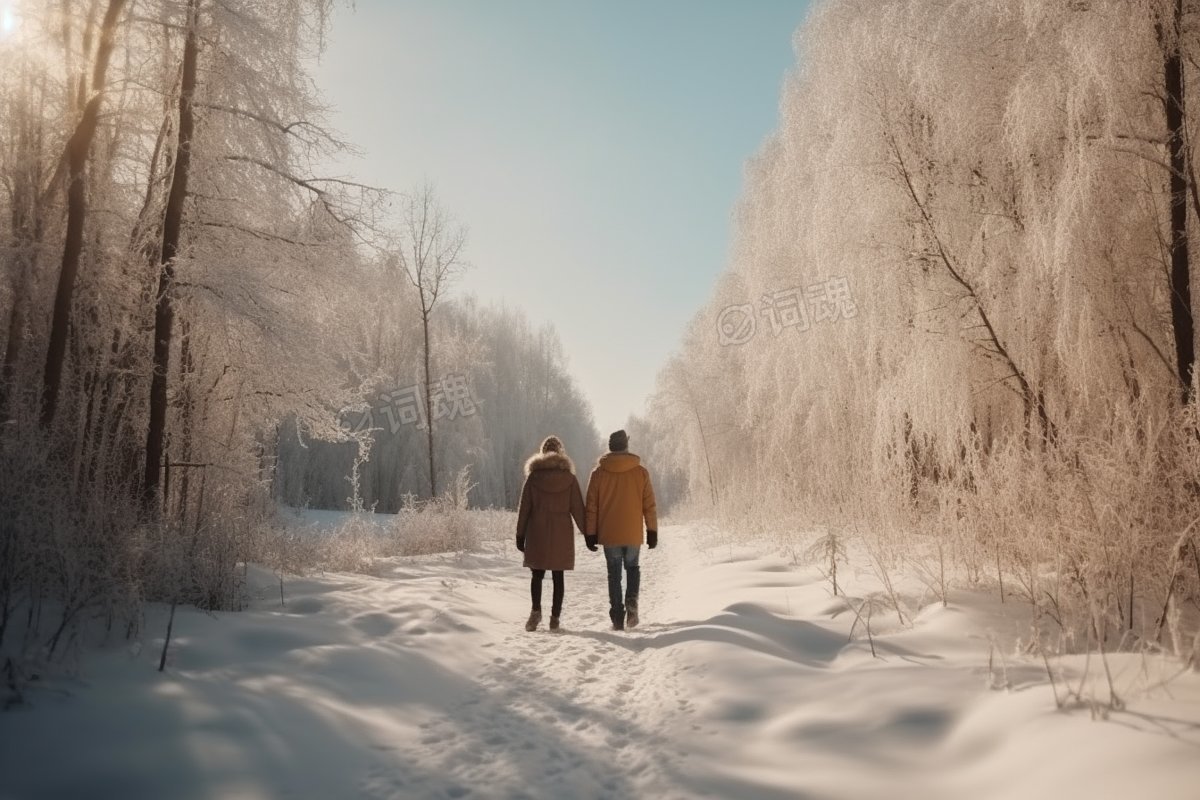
(594, 150)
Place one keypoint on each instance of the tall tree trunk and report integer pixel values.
(1181, 289)
(27, 219)
(187, 404)
(78, 148)
(695, 406)
(16, 333)
(164, 313)
(429, 407)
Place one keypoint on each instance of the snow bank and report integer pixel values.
(418, 681)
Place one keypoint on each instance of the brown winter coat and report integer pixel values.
(619, 498)
(550, 500)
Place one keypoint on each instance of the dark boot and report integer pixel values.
(631, 615)
(553, 623)
(535, 617)
(617, 615)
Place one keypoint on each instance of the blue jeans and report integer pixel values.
(626, 557)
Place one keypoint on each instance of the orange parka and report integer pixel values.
(620, 498)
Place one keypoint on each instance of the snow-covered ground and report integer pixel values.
(741, 682)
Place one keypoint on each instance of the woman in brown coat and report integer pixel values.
(550, 500)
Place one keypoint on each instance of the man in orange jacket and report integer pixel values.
(619, 498)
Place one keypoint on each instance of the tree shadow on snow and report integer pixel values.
(329, 720)
(1182, 730)
(752, 627)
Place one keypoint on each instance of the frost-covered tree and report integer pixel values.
(178, 279)
(91, 89)
(967, 251)
(431, 254)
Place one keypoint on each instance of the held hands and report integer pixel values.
(651, 539)
(591, 540)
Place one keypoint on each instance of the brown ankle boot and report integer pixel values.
(535, 617)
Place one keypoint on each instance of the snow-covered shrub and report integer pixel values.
(66, 558)
(432, 528)
(353, 545)
(441, 525)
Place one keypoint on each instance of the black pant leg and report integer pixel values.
(535, 587)
(559, 591)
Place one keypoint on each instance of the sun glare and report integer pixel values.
(8, 21)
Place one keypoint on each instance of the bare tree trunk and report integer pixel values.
(29, 198)
(187, 405)
(78, 149)
(434, 262)
(164, 314)
(162, 659)
(712, 484)
(1181, 290)
(16, 333)
(429, 407)
(101, 425)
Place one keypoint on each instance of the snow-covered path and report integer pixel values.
(583, 709)
(741, 682)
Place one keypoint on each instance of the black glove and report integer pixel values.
(591, 540)
(651, 539)
(521, 543)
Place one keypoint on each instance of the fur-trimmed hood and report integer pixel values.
(546, 461)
